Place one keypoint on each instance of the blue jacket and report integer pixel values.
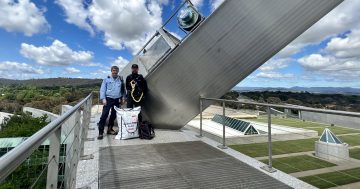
(112, 88)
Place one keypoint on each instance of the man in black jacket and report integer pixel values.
(136, 88)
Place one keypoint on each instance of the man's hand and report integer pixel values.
(104, 101)
(121, 101)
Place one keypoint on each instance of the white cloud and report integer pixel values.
(120, 62)
(105, 70)
(72, 70)
(197, 3)
(215, 4)
(19, 67)
(91, 64)
(15, 70)
(275, 63)
(58, 54)
(316, 62)
(331, 67)
(76, 13)
(22, 16)
(274, 75)
(124, 24)
(343, 18)
(101, 73)
(348, 47)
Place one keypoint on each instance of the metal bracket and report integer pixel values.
(268, 169)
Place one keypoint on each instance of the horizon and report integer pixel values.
(56, 38)
(233, 87)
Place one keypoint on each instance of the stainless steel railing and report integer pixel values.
(268, 106)
(77, 120)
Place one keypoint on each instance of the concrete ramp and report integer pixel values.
(229, 45)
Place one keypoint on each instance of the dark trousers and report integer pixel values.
(110, 103)
(132, 104)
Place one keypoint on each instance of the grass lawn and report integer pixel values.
(298, 163)
(278, 147)
(355, 153)
(335, 130)
(290, 122)
(301, 124)
(352, 140)
(332, 179)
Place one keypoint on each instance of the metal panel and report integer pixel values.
(177, 165)
(157, 48)
(229, 45)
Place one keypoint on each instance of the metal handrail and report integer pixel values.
(292, 107)
(268, 168)
(11, 160)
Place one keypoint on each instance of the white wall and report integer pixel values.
(336, 152)
(38, 113)
(3, 115)
(345, 121)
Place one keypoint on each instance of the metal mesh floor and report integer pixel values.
(177, 165)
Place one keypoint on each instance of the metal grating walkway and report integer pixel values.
(177, 165)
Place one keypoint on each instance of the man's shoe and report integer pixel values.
(100, 137)
(111, 132)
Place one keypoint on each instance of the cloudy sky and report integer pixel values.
(83, 38)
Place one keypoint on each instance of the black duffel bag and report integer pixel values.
(146, 130)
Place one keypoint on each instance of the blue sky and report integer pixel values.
(83, 38)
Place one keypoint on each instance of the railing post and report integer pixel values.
(269, 168)
(53, 167)
(223, 146)
(201, 110)
(84, 128)
(77, 148)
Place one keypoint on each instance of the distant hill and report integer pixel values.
(324, 90)
(52, 82)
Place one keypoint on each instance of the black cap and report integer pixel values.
(134, 66)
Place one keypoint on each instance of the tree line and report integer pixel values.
(13, 98)
(314, 100)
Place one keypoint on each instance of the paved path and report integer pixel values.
(310, 153)
(348, 134)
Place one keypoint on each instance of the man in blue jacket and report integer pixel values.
(112, 92)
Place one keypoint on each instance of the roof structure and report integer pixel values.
(244, 127)
(329, 137)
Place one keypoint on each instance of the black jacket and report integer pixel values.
(140, 84)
